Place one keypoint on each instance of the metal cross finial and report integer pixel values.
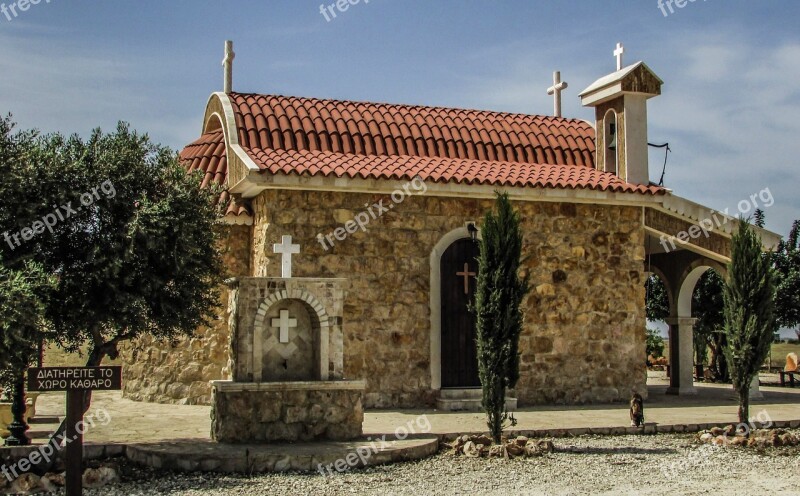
(286, 249)
(618, 54)
(556, 90)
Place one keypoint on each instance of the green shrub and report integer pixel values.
(655, 343)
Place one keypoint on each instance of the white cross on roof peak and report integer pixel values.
(555, 90)
(620, 50)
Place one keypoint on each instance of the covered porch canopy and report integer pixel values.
(683, 240)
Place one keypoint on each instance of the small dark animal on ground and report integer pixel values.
(637, 410)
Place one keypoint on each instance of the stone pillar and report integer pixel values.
(755, 391)
(681, 356)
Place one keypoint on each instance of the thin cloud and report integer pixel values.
(728, 110)
(60, 87)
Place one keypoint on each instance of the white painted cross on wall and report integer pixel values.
(284, 323)
(286, 249)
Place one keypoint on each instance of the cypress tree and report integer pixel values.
(500, 291)
(750, 321)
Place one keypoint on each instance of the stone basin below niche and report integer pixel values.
(276, 412)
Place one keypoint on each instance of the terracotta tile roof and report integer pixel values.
(207, 154)
(437, 169)
(366, 140)
(290, 123)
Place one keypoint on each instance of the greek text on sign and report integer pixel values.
(74, 378)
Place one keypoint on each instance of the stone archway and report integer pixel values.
(458, 325)
(680, 273)
(436, 300)
(682, 326)
(681, 333)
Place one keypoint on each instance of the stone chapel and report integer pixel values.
(384, 201)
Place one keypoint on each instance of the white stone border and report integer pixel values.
(436, 299)
(322, 323)
(229, 129)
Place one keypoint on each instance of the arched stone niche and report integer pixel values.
(286, 330)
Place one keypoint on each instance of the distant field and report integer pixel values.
(779, 352)
(56, 357)
(777, 356)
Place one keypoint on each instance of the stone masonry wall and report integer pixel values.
(163, 372)
(584, 336)
(583, 339)
(290, 415)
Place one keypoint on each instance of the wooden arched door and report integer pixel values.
(459, 351)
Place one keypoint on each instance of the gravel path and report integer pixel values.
(589, 465)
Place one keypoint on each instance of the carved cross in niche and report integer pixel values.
(284, 323)
(466, 275)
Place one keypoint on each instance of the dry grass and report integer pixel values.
(779, 352)
(777, 356)
(56, 357)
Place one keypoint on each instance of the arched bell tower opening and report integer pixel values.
(610, 141)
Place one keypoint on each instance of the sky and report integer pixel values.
(729, 108)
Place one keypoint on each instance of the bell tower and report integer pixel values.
(620, 103)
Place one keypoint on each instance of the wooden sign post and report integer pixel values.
(76, 381)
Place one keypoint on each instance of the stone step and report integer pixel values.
(461, 394)
(326, 458)
(468, 404)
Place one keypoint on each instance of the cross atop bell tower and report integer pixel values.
(618, 52)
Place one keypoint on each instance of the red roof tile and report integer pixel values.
(207, 154)
(359, 128)
(435, 169)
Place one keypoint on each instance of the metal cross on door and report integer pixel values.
(466, 274)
